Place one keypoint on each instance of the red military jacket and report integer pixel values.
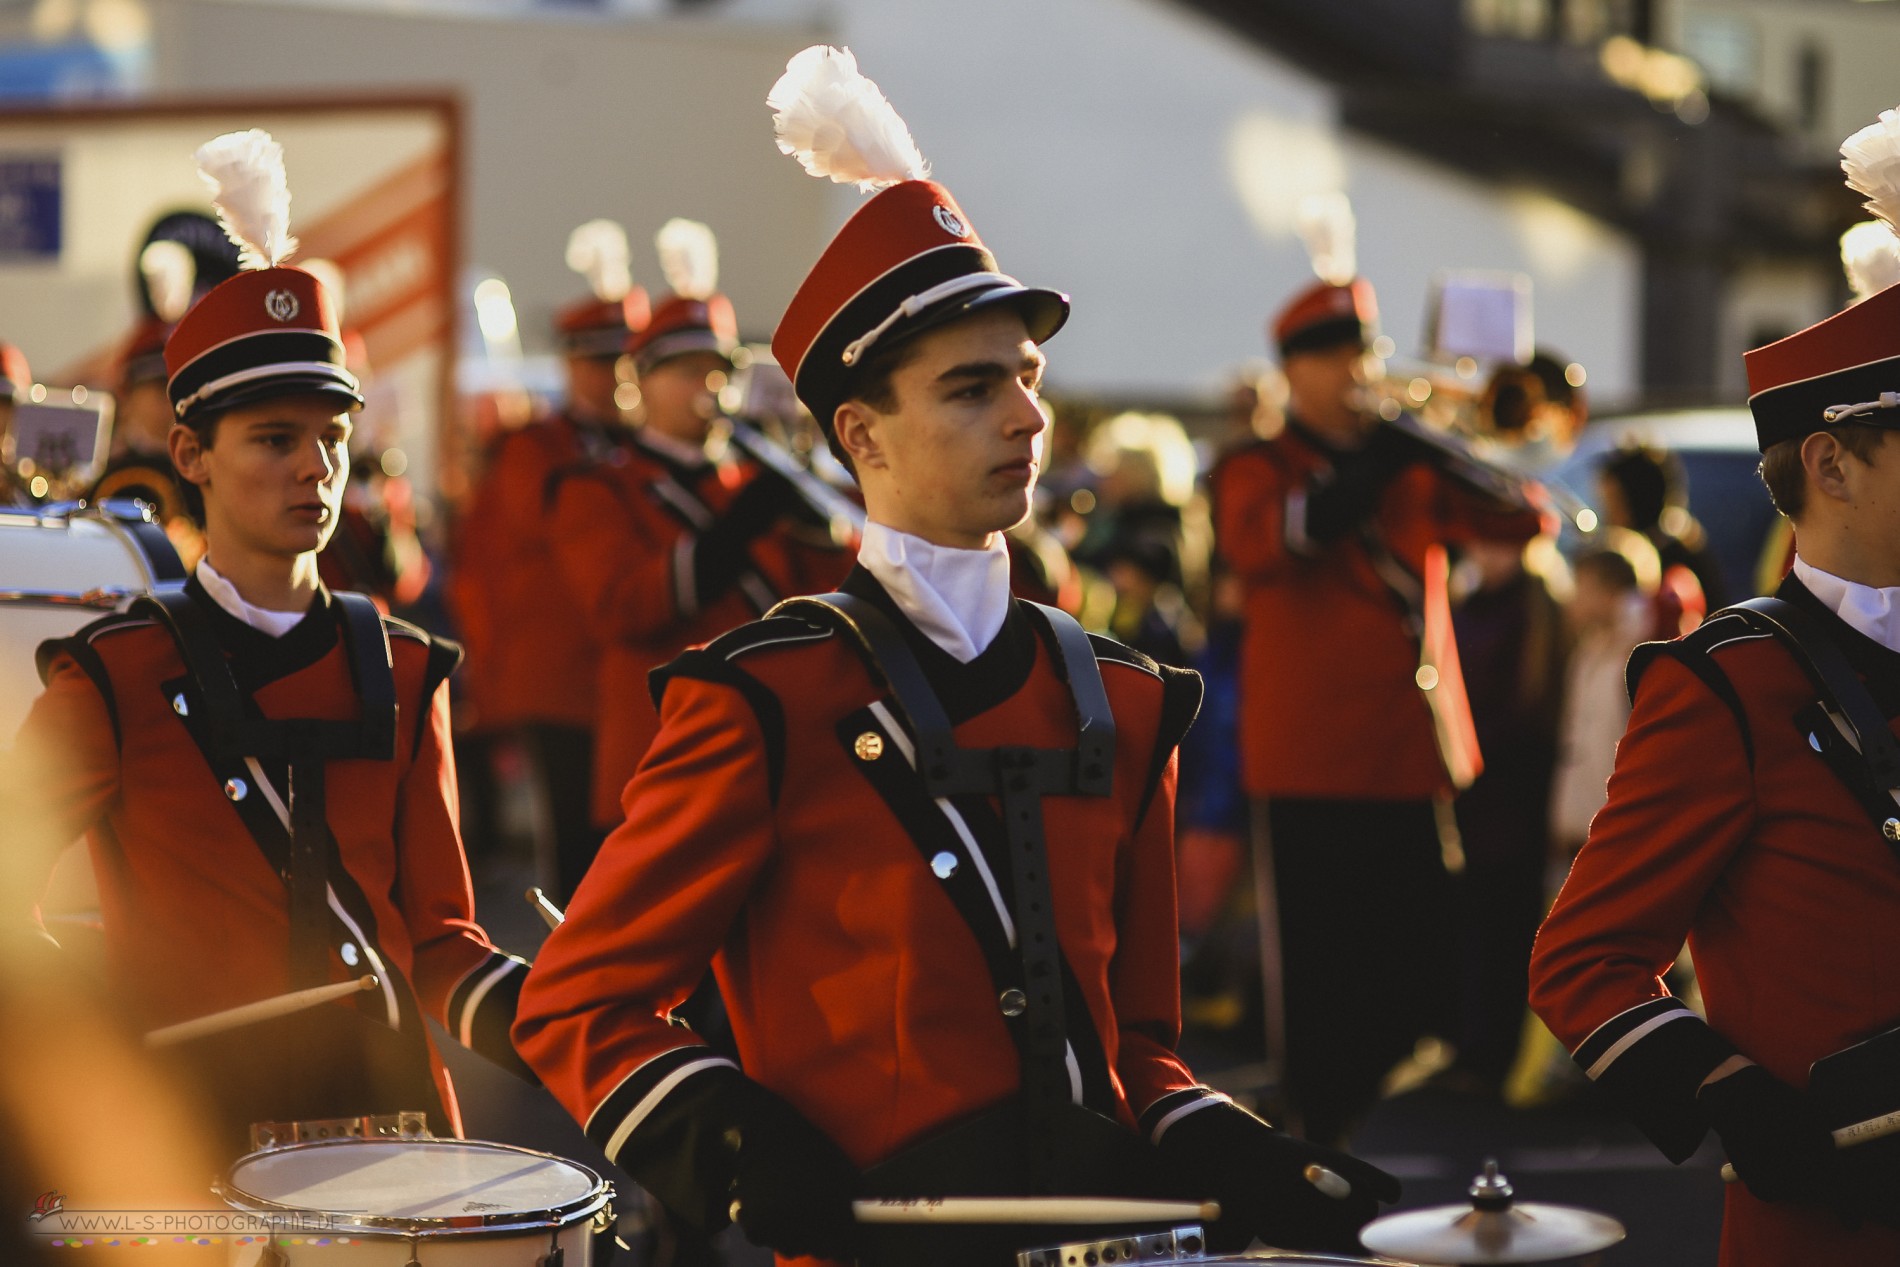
(778, 830)
(196, 915)
(623, 532)
(1727, 825)
(532, 656)
(1349, 677)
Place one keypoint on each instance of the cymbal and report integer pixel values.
(1492, 1229)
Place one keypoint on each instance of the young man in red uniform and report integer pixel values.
(664, 544)
(1742, 819)
(922, 831)
(1353, 713)
(534, 663)
(262, 766)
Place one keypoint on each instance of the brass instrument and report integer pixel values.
(844, 518)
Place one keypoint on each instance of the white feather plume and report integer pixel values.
(1330, 231)
(689, 258)
(245, 171)
(838, 124)
(1871, 159)
(170, 272)
(598, 251)
(1870, 254)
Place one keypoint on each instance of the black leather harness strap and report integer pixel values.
(1842, 692)
(304, 744)
(1826, 665)
(1019, 777)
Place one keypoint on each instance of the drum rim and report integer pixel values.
(564, 1215)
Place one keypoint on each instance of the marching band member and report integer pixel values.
(261, 765)
(533, 662)
(665, 543)
(1353, 712)
(922, 831)
(1741, 819)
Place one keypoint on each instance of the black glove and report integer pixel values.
(792, 1187)
(720, 554)
(1779, 1148)
(1359, 480)
(1258, 1175)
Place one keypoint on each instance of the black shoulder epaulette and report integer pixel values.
(1181, 693)
(716, 662)
(551, 487)
(444, 654)
(78, 645)
(1693, 652)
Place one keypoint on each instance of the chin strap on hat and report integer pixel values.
(1842, 413)
(855, 350)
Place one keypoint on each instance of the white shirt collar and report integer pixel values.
(1874, 612)
(225, 595)
(959, 598)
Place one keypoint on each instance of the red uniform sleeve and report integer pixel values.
(1251, 496)
(56, 782)
(461, 979)
(1424, 507)
(1681, 801)
(646, 921)
(633, 582)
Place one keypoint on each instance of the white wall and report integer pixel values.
(1148, 161)
(568, 118)
(1128, 151)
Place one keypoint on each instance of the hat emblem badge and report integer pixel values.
(282, 305)
(950, 222)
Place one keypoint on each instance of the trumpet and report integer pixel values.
(842, 516)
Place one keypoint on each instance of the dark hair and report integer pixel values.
(1651, 481)
(1554, 373)
(871, 383)
(1610, 567)
(1781, 469)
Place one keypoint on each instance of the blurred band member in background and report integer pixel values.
(1353, 714)
(533, 661)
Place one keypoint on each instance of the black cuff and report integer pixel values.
(666, 1124)
(481, 1011)
(1651, 1061)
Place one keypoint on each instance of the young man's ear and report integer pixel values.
(188, 454)
(860, 434)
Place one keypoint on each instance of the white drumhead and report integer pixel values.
(410, 1179)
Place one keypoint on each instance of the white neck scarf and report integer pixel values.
(959, 598)
(225, 595)
(1874, 612)
(687, 455)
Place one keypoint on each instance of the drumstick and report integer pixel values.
(548, 911)
(1096, 1210)
(262, 1010)
(1846, 1137)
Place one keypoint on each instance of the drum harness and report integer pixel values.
(230, 733)
(1019, 777)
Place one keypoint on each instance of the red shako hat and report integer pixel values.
(271, 330)
(1326, 315)
(1845, 368)
(601, 324)
(142, 359)
(695, 317)
(906, 262)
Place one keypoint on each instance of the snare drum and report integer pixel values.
(435, 1202)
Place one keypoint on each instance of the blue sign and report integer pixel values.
(29, 207)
